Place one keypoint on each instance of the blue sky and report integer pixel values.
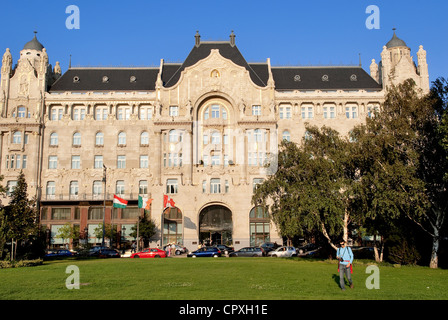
(289, 32)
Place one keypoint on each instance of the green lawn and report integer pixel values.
(216, 279)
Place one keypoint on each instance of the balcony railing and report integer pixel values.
(88, 196)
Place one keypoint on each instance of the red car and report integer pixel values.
(149, 253)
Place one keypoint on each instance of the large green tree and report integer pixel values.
(19, 219)
(313, 188)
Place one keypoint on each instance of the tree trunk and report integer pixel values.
(434, 262)
(345, 226)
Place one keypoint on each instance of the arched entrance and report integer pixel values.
(215, 225)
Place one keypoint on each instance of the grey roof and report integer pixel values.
(34, 44)
(323, 78)
(118, 79)
(395, 42)
(203, 50)
(285, 78)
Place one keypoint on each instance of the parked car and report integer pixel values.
(205, 252)
(269, 246)
(283, 252)
(224, 249)
(93, 252)
(306, 248)
(109, 253)
(179, 249)
(248, 252)
(60, 253)
(150, 253)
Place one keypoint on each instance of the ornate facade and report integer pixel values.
(201, 131)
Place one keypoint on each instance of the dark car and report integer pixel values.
(108, 253)
(94, 252)
(60, 253)
(248, 252)
(306, 248)
(224, 249)
(205, 252)
(269, 246)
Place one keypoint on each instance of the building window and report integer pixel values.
(256, 110)
(145, 113)
(10, 186)
(51, 189)
(144, 162)
(259, 226)
(204, 186)
(215, 185)
(98, 163)
(101, 113)
(122, 138)
(54, 139)
(215, 111)
(95, 213)
(119, 188)
(74, 188)
(172, 225)
(143, 187)
(351, 112)
(97, 188)
(285, 112)
(329, 112)
(286, 135)
(144, 138)
(56, 113)
(174, 111)
(171, 186)
(77, 139)
(17, 137)
(121, 162)
(79, 113)
(123, 113)
(307, 112)
(21, 112)
(76, 162)
(99, 139)
(52, 162)
(256, 182)
(60, 214)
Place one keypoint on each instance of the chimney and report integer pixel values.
(232, 39)
(197, 39)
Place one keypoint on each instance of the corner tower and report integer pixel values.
(397, 65)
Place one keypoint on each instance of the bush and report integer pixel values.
(18, 264)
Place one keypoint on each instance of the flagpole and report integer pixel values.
(104, 203)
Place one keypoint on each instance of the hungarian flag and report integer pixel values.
(119, 203)
(167, 201)
(144, 203)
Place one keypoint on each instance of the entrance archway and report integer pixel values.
(215, 225)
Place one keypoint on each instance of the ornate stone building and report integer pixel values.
(200, 132)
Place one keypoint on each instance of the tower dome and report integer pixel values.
(34, 44)
(395, 42)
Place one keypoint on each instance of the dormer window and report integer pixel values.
(105, 79)
(215, 74)
(75, 79)
(132, 79)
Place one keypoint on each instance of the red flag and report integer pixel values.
(167, 201)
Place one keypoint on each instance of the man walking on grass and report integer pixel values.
(345, 256)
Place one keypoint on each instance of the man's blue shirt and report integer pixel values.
(346, 254)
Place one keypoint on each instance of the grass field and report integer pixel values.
(216, 279)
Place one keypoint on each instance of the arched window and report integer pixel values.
(54, 139)
(17, 137)
(144, 138)
(172, 225)
(122, 138)
(286, 135)
(21, 112)
(76, 139)
(99, 139)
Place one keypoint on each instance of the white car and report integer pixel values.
(283, 252)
